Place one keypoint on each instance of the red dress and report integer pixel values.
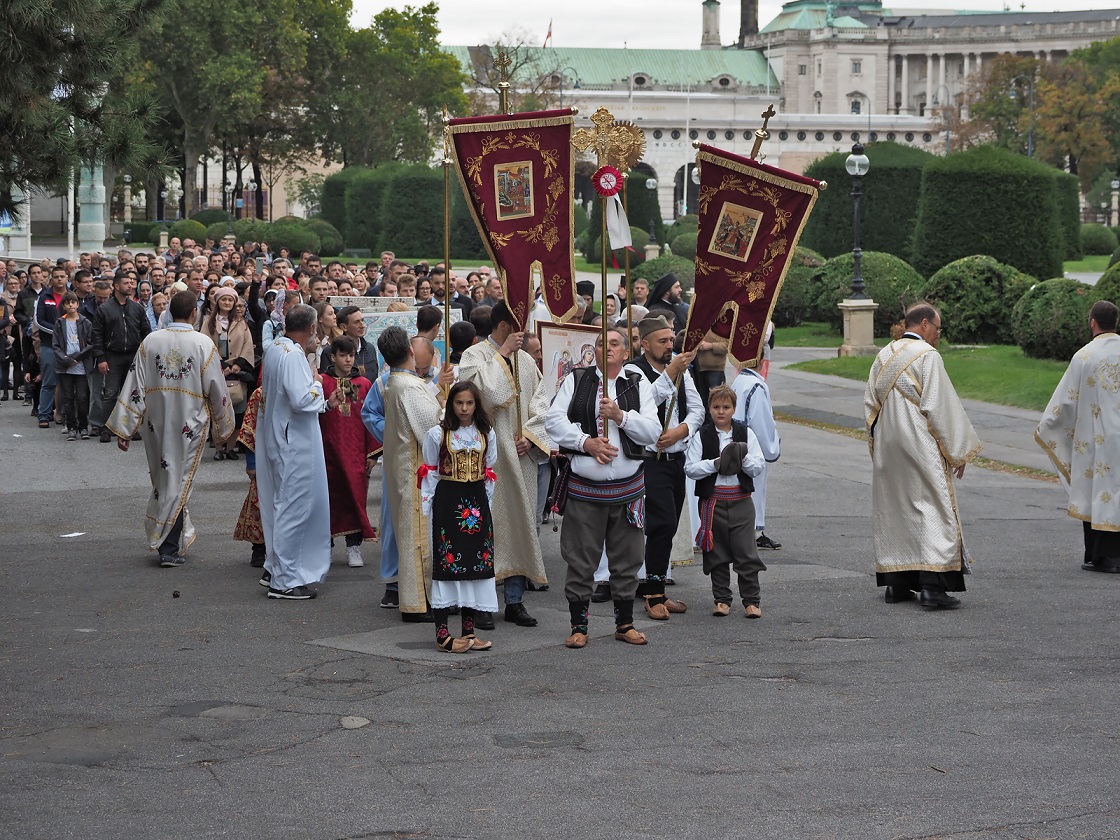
(346, 443)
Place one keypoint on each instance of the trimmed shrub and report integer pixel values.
(184, 229)
(217, 231)
(657, 268)
(330, 240)
(580, 243)
(685, 245)
(333, 200)
(1108, 286)
(209, 217)
(365, 197)
(1069, 212)
(637, 256)
(466, 242)
(412, 212)
(642, 206)
(1115, 258)
(684, 224)
(795, 300)
(1050, 321)
(140, 231)
(989, 201)
(289, 220)
(580, 219)
(295, 238)
(889, 281)
(1097, 240)
(251, 230)
(975, 296)
(888, 208)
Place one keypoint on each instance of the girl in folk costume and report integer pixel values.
(456, 485)
(248, 528)
(231, 335)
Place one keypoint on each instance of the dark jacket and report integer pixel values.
(47, 311)
(25, 306)
(118, 329)
(58, 342)
(365, 361)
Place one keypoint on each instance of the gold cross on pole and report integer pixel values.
(617, 144)
(762, 134)
(503, 62)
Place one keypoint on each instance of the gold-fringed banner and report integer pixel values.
(517, 172)
(751, 217)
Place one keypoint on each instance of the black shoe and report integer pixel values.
(232, 456)
(105, 435)
(418, 618)
(896, 595)
(170, 561)
(484, 620)
(390, 600)
(258, 557)
(137, 436)
(519, 615)
(932, 600)
(266, 579)
(1101, 567)
(764, 541)
(670, 582)
(299, 593)
(219, 455)
(602, 593)
(532, 587)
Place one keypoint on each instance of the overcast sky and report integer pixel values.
(648, 24)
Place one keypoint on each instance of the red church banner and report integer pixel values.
(517, 173)
(751, 216)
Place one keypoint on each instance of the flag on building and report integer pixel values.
(548, 37)
(751, 217)
(517, 173)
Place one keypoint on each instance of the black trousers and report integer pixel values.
(1102, 548)
(114, 381)
(170, 544)
(75, 400)
(664, 502)
(935, 581)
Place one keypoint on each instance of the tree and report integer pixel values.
(391, 91)
(62, 103)
(534, 75)
(998, 101)
(1071, 107)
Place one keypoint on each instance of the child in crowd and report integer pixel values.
(350, 450)
(722, 458)
(456, 485)
(73, 352)
(248, 528)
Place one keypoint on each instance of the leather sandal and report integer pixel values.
(477, 643)
(752, 611)
(627, 633)
(721, 609)
(453, 645)
(676, 607)
(576, 640)
(658, 612)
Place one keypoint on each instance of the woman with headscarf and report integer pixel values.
(226, 327)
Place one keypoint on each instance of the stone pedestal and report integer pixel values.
(859, 327)
(653, 251)
(92, 209)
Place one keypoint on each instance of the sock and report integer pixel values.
(441, 625)
(578, 611)
(623, 612)
(468, 620)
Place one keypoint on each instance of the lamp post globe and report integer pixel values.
(857, 166)
(651, 185)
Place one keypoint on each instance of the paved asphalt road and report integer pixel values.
(127, 712)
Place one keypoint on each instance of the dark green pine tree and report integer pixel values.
(64, 101)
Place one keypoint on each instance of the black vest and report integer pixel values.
(583, 409)
(709, 440)
(652, 375)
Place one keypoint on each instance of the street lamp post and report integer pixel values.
(560, 78)
(1030, 110)
(945, 110)
(228, 190)
(857, 165)
(127, 198)
(651, 185)
(1114, 219)
(253, 199)
(163, 234)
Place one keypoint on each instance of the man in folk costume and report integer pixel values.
(291, 469)
(919, 437)
(605, 486)
(349, 449)
(680, 415)
(522, 445)
(410, 411)
(1080, 431)
(176, 388)
(753, 407)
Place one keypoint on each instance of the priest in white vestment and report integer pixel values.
(919, 438)
(291, 467)
(518, 419)
(176, 389)
(1080, 431)
(410, 411)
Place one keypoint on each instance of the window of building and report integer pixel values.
(783, 135)
(818, 68)
(909, 137)
(657, 134)
(729, 135)
(856, 106)
(857, 67)
(639, 81)
(837, 136)
(676, 135)
(801, 135)
(711, 135)
(724, 81)
(694, 134)
(802, 69)
(819, 136)
(927, 137)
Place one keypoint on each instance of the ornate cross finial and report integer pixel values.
(615, 144)
(762, 134)
(503, 62)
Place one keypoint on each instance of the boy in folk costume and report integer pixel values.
(349, 449)
(723, 457)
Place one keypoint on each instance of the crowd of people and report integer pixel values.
(246, 350)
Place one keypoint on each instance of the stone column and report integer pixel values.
(904, 108)
(964, 83)
(929, 82)
(890, 84)
(92, 207)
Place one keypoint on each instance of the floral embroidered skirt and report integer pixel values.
(462, 547)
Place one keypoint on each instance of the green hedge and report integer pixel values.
(974, 295)
(637, 256)
(580, 220)
(333, 200)
(684, 224)
(141, 232)
(888, 280)
(217, 231)
(466, 241)
(1098, 240)
(888, 208)
(330, 240)
(294, 237)
(685, 246)
(184, 229)
(1108, 286)
(989, 201)
(209, 217)
(1069, 211)
(796, 302)
(412, 212)
(1051, 321)
(364, 202)
(657, 268)
(1115, 258)
(642, 206)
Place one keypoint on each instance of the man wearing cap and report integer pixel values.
(665, 299)
(680, 415)
(586, 290)
(603, 423)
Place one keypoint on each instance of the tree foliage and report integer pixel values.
(975, 294)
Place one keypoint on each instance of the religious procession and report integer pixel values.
(493, 401)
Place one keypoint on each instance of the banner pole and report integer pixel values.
(629, 314)
(605, 243)
(446, 244)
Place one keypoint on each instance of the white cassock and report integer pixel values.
(752, 406)
(291, 469)
(176, 385)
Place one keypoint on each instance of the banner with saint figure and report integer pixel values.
(517, 172)
(751, 216)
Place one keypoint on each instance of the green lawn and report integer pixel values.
(1089, 265)
(812, 334)
(997, 374)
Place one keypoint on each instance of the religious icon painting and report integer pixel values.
(735, 231)
(513, 187)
